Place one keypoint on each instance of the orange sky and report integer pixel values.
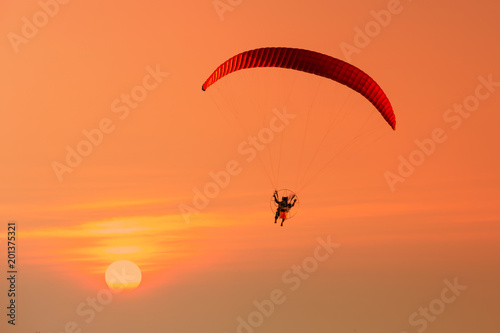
(405, 232)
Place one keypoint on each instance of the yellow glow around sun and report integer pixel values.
(123, 275)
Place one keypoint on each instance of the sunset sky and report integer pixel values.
(398, 232)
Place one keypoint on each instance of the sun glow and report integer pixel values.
(123, 275)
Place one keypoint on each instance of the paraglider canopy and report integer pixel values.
(313, 63)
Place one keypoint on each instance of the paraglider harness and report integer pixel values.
(283, 207)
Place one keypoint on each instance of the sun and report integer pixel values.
(123, 275)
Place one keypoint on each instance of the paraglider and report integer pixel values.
(314, 63)
(284, 206)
